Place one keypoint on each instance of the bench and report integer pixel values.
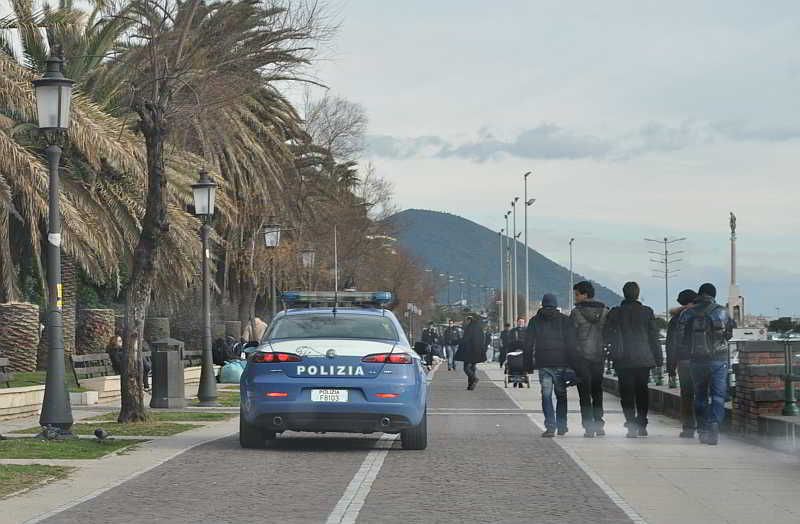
(192, 358)
(91, 366)
(5, 375)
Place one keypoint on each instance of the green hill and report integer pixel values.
(449, 243)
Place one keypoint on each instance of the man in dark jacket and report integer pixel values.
(430, 336)
(452, 336)
(678, 361)
(633, 336)
(471, 350)
(550, 339)
(705, 329)
(505, 343)
(589, 320)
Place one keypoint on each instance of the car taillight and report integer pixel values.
(274, 357)
(388, 358)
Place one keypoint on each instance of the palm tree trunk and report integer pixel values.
(155, 225)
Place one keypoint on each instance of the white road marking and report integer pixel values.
(615, 497)
(347, 509)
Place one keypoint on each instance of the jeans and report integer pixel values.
(552, 380)
(687, 395)
(711, 375)
(470, 369)
(634, 394)
(450, 353)
(590, 390)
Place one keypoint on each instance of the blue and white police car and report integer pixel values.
(334, 362)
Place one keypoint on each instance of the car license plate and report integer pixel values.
(329, 395)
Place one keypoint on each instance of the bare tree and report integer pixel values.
(336, 124)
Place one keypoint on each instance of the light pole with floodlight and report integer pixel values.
(53, 100)
(204, 193)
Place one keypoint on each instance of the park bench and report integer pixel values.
(5, 374)
(192, 358)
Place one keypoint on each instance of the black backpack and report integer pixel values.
(704, 333)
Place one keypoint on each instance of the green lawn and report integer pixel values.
(37, 448)
(147, 429)
(15, 478)
(173, 416)
(228, 399)
(37, 378)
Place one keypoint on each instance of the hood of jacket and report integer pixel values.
(547, 313)
(592, 311)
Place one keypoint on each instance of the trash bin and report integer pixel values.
(168, 384)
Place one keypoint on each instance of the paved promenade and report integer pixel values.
(485, 463)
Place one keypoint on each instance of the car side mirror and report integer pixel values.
(250, 347)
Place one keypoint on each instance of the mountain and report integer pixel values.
(450, 243)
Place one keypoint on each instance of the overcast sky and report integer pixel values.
(638, 118)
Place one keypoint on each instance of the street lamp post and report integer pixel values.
(509, 296)
(528, 203)
(272, 238)
(571, 294)
(204, 193)
(53, 99)
(514, 264)
(308, 256)
(501, 305)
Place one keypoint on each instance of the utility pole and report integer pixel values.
(571, 294)
(509, 296)
(528, 203)
(514, 264)
(501, 305)
(664, 270)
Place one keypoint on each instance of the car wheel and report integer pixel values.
(416, 437)
(250, 436)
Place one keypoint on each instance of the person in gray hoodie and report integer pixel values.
(589, 320)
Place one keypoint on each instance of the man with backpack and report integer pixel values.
(632, 335)
(589, 319)
(678, 362)
(705, 329)
(452, 337)
(550, 339)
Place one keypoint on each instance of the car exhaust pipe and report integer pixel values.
(385, 421)
(277, 421)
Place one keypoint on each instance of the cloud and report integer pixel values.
(552, 142)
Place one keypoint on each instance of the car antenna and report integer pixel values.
(335, 271)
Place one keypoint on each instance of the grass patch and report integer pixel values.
(14, 478)
(147, 429)
(173, 416)
(37, 448)
(228, 399)
(38, 378)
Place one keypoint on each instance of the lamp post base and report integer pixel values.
(208, 403)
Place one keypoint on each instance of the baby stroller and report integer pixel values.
(515, 370)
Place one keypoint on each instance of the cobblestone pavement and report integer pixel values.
(485, 463)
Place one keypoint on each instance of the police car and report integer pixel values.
(334, 362)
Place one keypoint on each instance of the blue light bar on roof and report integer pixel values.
(379, 298)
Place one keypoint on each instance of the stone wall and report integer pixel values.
(95, 329)
(19, 335)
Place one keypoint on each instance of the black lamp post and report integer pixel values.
(204, 193)
(53, 97)
(272, 239)
(308, 256)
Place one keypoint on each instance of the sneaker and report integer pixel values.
(600, 432)
(588, 434)
(642, 431)
(562, 432)
(712, 437)
(549, 433)
(633, 431)
(687, 433)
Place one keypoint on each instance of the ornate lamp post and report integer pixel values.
(204, 192)
(272, 239)
(53, 98)
(308, 256)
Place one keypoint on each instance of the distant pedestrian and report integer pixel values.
(254, 330)
(705, 329)
(633, 337)
(550, 339)
(471, 350)
(589, 319)
(430, 336)
(452, 336)
(679, 362)
(505, 343)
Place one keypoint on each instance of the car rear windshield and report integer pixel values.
(370, 327)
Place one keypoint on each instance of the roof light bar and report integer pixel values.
(379, 298)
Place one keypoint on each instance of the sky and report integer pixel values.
(637, 118)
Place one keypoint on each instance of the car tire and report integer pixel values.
(252, 437)
(416, 438)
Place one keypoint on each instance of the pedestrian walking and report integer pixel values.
(705, 329)
(589, 320)
(452, 337)
(550, 339)
(635, 349)
(119, 359)
(679, 362)
(505, 343)
(471, 350)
